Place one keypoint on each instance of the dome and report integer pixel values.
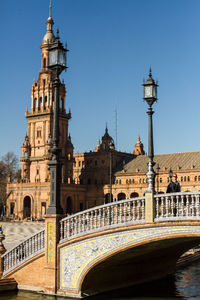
(49, 37)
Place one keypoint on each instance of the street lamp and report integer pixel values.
(150, 96)
(57, 63)
(111, 148)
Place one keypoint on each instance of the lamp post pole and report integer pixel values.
(57, 63)
(150, 96)
(158, 168)
(111, 148)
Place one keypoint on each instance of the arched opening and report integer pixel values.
(44, 62)
(27, 207)
(107, 198)
(134, 195)
(121, 196)
(69, 205)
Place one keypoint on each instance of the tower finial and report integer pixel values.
(50, 7)
(150, 72)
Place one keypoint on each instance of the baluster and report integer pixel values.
(61, 230)
(187, 205)
(134, 216)
(76, 225)
(112, 214)
(91, 219)
(83, 223)
(79, 223)
(88, 221)
(129, 211)
(192, 205)
(72, 225)
(120, 213)
(172, 206)
(177, 206)
(108, 215)
(104, 215)
(197, 205)
(167, 207)
(162, 207)
(125, 211)
(99, 218)
(143, 209)
(116, 213)
(95, 218)
(138, 209)
(67, 230)
(36, 238)
(182, 206)
(157, 207)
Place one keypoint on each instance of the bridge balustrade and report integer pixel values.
(105, 216)
(23, 251)
(177, 206)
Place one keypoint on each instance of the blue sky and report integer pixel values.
(112, 43)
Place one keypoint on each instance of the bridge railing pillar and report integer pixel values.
(150, 207)
(2, 251)
(52, 236)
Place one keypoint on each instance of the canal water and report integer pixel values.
(185, 284)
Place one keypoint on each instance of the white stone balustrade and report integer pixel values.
(177, 206)
(23, 251)
(129, 211)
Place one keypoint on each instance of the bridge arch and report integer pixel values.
(103, 257)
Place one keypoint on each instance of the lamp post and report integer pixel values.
(150, 96)
(57, 63)
(111, 148)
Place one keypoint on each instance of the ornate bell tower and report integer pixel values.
(40, 121)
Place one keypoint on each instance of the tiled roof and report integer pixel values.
(175, 161)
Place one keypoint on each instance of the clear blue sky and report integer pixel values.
(112, 44)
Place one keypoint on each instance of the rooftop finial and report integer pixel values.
(50, 7)
(57, 33)
(150, 72)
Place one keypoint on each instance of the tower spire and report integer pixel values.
(50, 7)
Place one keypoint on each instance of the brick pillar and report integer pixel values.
(2, 250)
(150, 207)
(52, 235)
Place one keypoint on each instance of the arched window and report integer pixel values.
(195, 178)
(134, 195)
(45, 102)
(44, 62)
(121, 196)
(107, 198)
(27, 207)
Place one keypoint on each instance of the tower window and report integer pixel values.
(44, 63)
(39, 134)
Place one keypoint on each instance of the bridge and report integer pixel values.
(106, 247)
